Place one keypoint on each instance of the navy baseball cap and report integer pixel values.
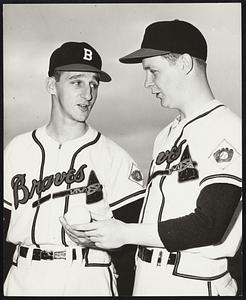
(76, 56)
(169, 37)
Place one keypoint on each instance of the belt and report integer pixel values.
(147, 254)
(39, 254)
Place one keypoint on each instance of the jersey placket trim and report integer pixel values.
(168, 164)
(163, 199)
(145, 204)
(69, 184)
(40, 178)
(198, 117)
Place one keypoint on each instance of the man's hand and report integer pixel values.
(105, 234)
(77, 236)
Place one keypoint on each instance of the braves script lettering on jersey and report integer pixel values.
(187, 159)
(43, 181)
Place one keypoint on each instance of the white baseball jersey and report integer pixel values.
(188, 156)
(44, 180)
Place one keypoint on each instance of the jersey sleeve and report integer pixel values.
(125, 181)
(218, 157)
(223, 161)
(207, 225)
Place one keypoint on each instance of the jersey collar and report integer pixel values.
(87, 137)
(203, 109)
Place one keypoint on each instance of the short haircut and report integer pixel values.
(172, 58)
(57, 75)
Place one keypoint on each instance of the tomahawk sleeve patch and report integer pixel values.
(224, 154)
(135, 175)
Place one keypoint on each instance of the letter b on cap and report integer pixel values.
(87, 54)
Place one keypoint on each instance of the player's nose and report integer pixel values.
(86, 93)
(148, 81)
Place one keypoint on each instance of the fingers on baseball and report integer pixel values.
(74, 232)
(86, 227)
(94, 239)
(63, 220)
(81, 237)
(94, 233)
(69, 231)
(74, 235)
(98, 245)
(76, 241)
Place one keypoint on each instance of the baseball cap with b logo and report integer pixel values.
(76, 56)
(169, 37)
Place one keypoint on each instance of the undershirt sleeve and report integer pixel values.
(216, 204)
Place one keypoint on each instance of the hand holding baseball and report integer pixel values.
(105, 234)
(77, 236)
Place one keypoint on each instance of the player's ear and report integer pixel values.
(50, 85)
(186, 62)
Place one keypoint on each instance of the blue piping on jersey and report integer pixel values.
(127, 197)
(198, 117)
(205, 278)
(111, 281)
(167, 167)
(209, 288)
(159, 173)
(5, 201)
(220, 176)
(146, 202)
(40, 178)
(163, 199)
(151, 164)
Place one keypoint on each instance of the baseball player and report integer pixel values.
(194, 187)
(66, 168)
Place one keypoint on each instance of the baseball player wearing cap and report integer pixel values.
(191, 217)
(66, 168)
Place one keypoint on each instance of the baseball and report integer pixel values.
(77, 215)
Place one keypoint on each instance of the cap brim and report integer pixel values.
(137, 56)
(86, 68)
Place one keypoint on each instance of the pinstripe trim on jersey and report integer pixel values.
(160, 173)
(151, 164)
(40, 178)
(146, 200)
(6, 202)
(69, 184)
(111, 281)
(129, 197)
(198, 117)
(229, 176)
(94, 264)
(209, 288)
(207, 278)
(162, 200)
(165, 172)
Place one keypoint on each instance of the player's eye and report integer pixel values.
(94, 85)
(76, 82)
(154, 72)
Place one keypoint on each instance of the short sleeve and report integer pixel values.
(125, 181)
(223, 160)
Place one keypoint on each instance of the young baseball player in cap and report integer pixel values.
(191, 217)
(66, 168)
